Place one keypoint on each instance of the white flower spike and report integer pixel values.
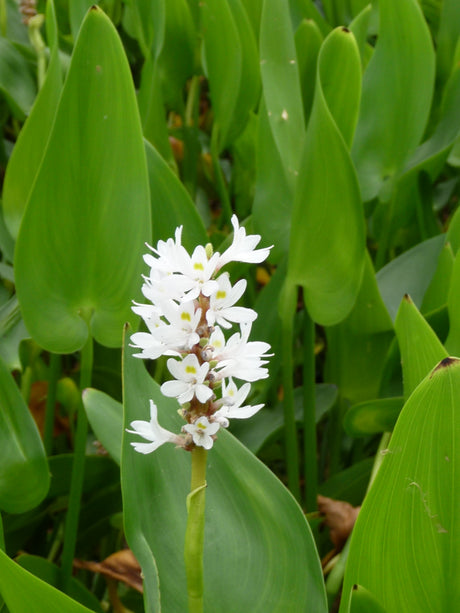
(190, 303)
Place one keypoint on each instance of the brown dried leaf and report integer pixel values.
(339, 517)
(121, 566)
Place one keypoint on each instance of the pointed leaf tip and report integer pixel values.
(445, 363)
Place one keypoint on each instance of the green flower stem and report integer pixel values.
(287, 310)
(220, 180)
(78, 468)
(55, 369)
(194, 535)
(309, 416)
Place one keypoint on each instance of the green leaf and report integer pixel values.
(281, 84)
(420, 348)
(231, 65)
(274, 191)
(360, 26)
(372, 416)
(268, 424)
(90, 198)
(447, 38)
(308, 40)
(453, 305)
(171, 204)
(106, 418)
(429, 158)
(17, 84)
(177, 57)
(410, 273)
(362, 601)
(22, 592)
(244, 504)
(327, 248)
(357, 346)
(31, 144)
(24, 478)
(397, 90)
(404, 544)
(349, 484)
(45, 570)
(152, 110)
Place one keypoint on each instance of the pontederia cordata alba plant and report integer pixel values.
(191, 303)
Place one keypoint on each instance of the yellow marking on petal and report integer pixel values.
(198, 266)
(185, 316)
(221, 294)
(190, 369)
(200, 425)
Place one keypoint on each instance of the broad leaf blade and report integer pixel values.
(171, 203)
(244, 503)
(397, 89)
(22, 591)
(405, 542)
(24, 474)
(281, 84)
(78, 255)
(327, 235)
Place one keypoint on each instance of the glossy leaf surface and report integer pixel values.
(244, 502)
(281, 84)
(397, 90)
(78, 255)
(404, 543)
(327, 258)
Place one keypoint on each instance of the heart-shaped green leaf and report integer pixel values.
(405, 542)
(244, 505)
(24, 476)
(78, 254)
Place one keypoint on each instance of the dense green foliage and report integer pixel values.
(332, 129)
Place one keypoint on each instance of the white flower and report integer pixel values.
(240, 358)
(152, 431)
(221, 309)
(202, 432)
(190, 376)
(232, 399)
(242, 248)
(170, 254)
(183, 320)
(199, 270)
